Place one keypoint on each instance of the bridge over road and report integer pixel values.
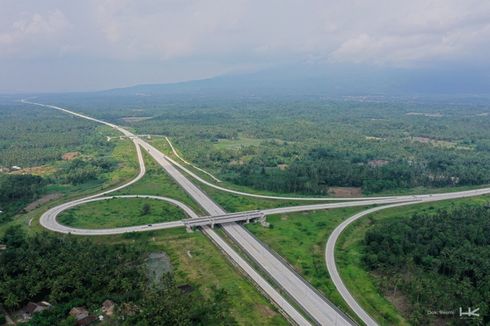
(192, 223)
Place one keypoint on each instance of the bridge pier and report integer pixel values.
(189, 229)
(263, 221)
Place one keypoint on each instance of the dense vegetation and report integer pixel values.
(307, 145)
(33, 136)
(35, 139)
(16, 191)
(439, 261)
(69, 272)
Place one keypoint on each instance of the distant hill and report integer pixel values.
(327, 80)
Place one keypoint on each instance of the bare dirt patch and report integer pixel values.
(282, 167)
(345, 191)
(377, 163)
(373, 138)
(70, 156)
(266, 311)
(434, 142)
(36, 170)
(135, 119)
(432, 115)
(41, 201)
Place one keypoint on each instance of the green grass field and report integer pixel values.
(157, 182)
(120, 212)
(300, 238)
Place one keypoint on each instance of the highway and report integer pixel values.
(293, 314)
(312, 302)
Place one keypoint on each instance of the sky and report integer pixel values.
(68, 45)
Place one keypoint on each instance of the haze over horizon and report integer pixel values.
(55, 46)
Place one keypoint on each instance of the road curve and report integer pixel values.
(242, 193)
(188, 163)
(334, 236)
(296, 287)
(294, 315)
(48, 219)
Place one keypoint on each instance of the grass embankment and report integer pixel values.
(364, 285)
(300, 238)
(157, 182)
(120, 212)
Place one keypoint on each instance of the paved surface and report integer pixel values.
(334, 236)
(207, 204)
(48, 219)
(188, 163)
(308, 298)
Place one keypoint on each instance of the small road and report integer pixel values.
(188, 163)
(334, 236)
(48, 219)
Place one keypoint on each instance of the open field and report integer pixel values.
(120, 212)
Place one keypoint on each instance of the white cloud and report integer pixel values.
(223, 34)
(30, 30)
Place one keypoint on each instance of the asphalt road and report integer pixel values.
(48, 220)
(334, 236)
(308, 298)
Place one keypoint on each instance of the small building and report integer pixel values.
(79, 313)
(87, 320)
(108, 307)
(32, 308)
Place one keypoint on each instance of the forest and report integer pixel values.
(34, 140)
(439, 261)
(69, 272)
(308, 145)
(16, 191)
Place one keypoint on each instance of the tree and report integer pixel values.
(145, 209)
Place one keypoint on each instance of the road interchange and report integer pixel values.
(317, 308)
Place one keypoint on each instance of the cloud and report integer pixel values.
(229, 35)
(446, 31)
(30, 30)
